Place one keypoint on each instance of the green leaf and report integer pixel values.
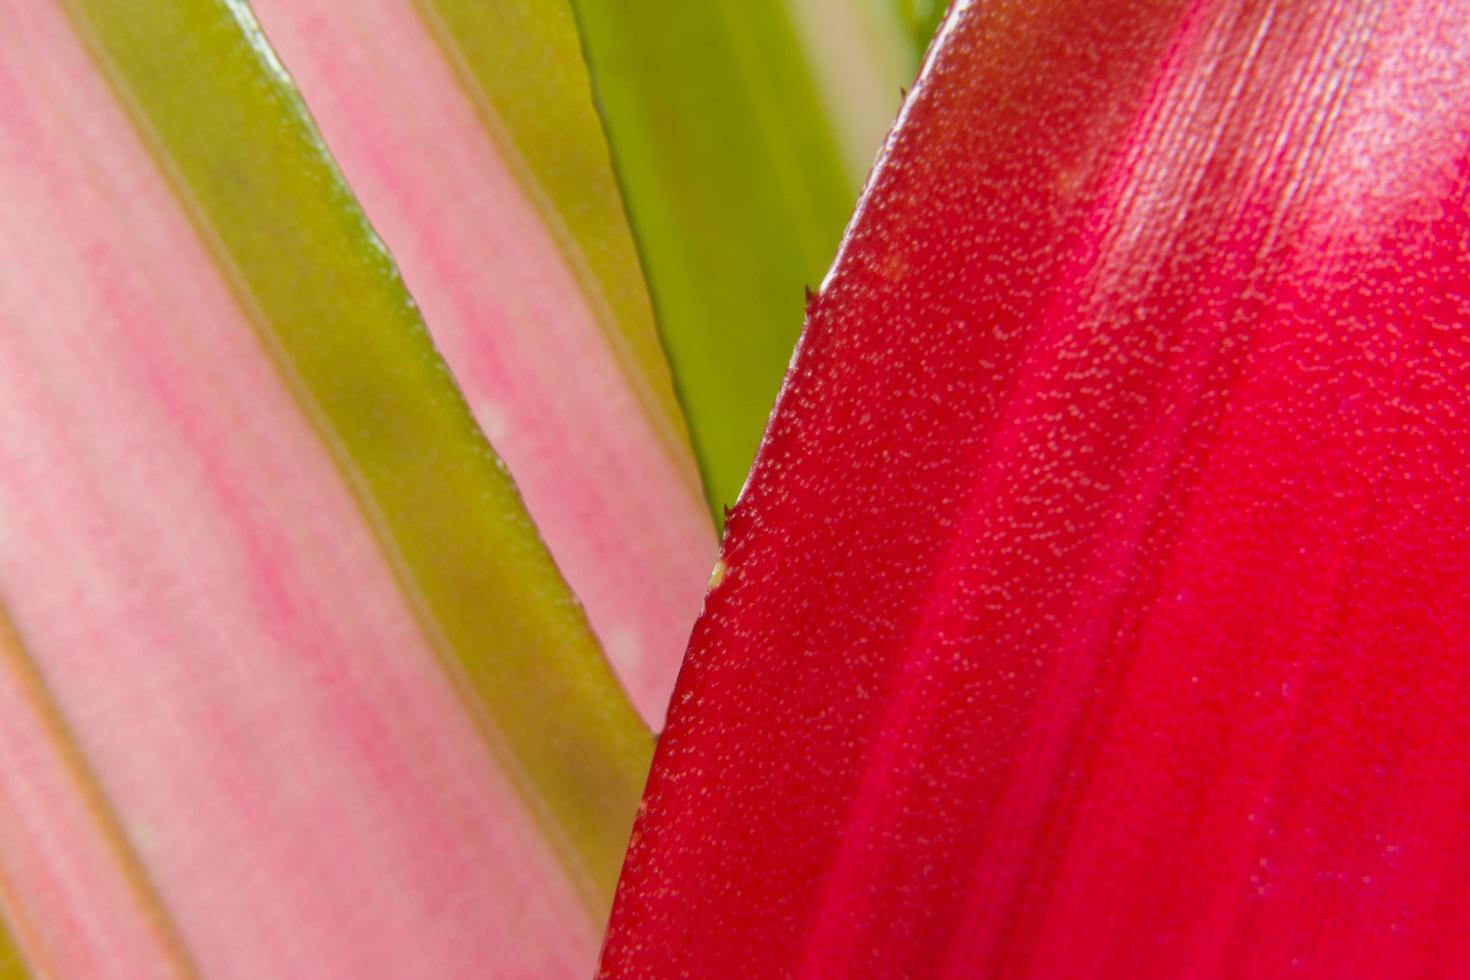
(737, 192)
(921, 18)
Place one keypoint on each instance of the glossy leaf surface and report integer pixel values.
(467, 131)
(288, 684)
(1098, 603)
(736, 190)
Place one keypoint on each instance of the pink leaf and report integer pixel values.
(288, 686)
(530, 286)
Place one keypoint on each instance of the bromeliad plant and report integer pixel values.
(1096, 605)
(1099, 601)
(296, 682)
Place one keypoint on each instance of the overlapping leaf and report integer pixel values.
(1097, 605)
(290, 685)
(467, 131)
(729, 147)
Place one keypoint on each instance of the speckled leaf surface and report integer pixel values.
(289, 686)
(1098, 603)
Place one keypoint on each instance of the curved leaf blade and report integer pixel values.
(1097, 604)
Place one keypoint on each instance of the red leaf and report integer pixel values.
(1099, 603)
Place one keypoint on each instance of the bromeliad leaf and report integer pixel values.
(467, 131)
(735, 185)
(290, 685)
(1098, 602)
